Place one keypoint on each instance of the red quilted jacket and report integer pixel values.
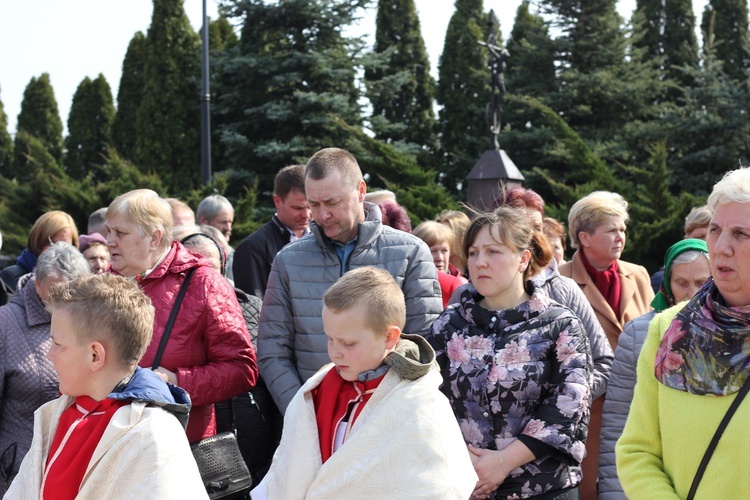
(209, 348)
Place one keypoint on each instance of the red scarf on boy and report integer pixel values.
(78, 433)
(334, 399)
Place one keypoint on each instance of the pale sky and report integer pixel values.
(77, 38)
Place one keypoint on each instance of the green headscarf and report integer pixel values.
(664, 298)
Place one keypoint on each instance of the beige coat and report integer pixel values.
(406, 444)
(143, 453)
(636, 294)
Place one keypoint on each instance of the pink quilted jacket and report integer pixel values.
(209, 348)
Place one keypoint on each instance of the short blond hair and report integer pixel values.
(592, 211)
(110, 309)
(434, 233)
(554, 229)
(698, 217)
(46, 226)
(146, 209)
(458, 222)
(373, 288)
(329, 160)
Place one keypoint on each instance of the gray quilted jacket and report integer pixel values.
(567, 292)
(27, 378)
(292, 345)
(617, 404)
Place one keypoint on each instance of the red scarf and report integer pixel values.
(607, 282)
(334, 399)
(80, 429)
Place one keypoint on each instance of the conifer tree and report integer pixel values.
(38, 118)
(221, 35)
(129, 97)
(168, 121)
(400, 86)
(665, 31)
(463, 91)
(530, 72)
(89, 126)
(727, 20)
(6, 144)
(288, 84)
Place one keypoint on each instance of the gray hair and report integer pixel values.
(210, 207)
(96, 219)
(688, 257)
(61, 260)
(733, 187)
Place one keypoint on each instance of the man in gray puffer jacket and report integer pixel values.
(347, 233)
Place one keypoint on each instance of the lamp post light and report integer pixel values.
(205, 105)
(494, 168)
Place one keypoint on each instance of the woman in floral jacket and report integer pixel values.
(516, 366)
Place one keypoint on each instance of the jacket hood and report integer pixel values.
(412, 358)
(147, 387)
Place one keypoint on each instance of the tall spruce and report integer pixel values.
(530, 72)
(288, 85)
(463, 91)
(129, 97)
(400, 86)
(168, 121)
(727, 20)
(89, 126)
(6, 144)
(38, 118)
(707, 134)
(603, 95)
(665, 31)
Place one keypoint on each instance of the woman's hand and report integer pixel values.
(166, 375)
(489, 468)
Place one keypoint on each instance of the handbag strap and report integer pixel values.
(172, 317)
(717, 436)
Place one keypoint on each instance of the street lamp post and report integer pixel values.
(205, 105)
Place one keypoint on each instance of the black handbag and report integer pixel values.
(219, 460)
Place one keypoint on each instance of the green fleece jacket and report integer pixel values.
(668, 431)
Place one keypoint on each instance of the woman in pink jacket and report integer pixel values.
(208, 353)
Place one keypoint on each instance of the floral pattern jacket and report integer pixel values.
(522, 373)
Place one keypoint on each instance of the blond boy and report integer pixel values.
(371, 424)
(108, 435)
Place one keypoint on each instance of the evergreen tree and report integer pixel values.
(400, 86)
(530, 72)
(168, 120)
(46, 187)
(604, 96)
(6, 144)
(727, 20)
(129, 97)
(707, 134)
(38, 118)
(221, 35)
(288, 85)
(89, 126)
(665, 31)
(531, 67)
(463, 91)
